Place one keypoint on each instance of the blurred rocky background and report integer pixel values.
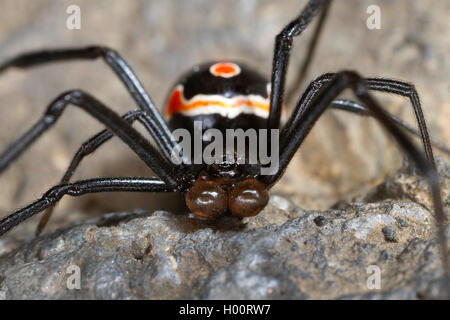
(344, 156)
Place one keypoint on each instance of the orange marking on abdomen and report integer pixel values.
(177, 103)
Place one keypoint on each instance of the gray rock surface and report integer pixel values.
(283, 253)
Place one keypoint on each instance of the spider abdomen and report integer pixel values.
(222, 95)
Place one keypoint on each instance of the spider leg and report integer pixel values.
(356, 108)
(405, 90)
(283, 44)
(127, 184)
(290, 94)
(382, 85)
(109, 118)
(87, 148)
(161, 133)
(301, 126)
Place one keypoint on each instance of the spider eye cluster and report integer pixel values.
(211, 198)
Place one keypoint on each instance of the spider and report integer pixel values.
(222, 95)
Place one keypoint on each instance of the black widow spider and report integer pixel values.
(211, 190)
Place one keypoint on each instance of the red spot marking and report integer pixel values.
(225, 69)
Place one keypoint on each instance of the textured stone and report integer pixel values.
(279, 254)
(390, 234)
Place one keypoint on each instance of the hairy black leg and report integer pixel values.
(161, 133)
(96, 141)
(409, 91)
(127, 184)
(283, 44)
(356, 108)
(318, 105)
(109, 118)
(382, 85)
(87, 148)
(290, 94)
